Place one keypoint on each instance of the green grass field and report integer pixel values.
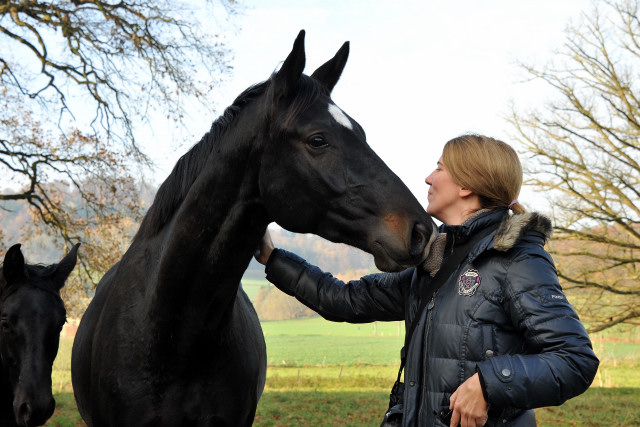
(337, 374)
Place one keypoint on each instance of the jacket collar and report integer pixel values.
(512, 228)
(458, 234)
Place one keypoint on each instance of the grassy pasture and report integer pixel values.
(337, 374)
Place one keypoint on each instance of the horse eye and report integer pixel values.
(317, 141)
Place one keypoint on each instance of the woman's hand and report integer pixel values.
(263, 252)
(468, 404)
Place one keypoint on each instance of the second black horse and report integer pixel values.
(31, 317)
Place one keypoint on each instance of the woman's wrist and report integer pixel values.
(483, 387)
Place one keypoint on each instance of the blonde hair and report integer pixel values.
(488, 167)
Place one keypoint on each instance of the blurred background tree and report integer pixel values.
(584, 152)
(78, 79)
(272, 304)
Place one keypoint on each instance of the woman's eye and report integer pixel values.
(317, 141)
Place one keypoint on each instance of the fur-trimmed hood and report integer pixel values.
(513, 227)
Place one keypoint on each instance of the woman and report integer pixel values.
(499, 337)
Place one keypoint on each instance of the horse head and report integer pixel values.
(31, 317)
(334, 186)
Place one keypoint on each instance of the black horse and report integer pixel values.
(170, 337)
(31, 317)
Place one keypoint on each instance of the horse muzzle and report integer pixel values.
(33, 412)
(396, 248)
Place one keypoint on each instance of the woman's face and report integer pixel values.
(444, 194)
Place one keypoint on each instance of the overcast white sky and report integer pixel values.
(419, 73)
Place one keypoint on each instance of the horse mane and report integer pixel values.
(174, 189)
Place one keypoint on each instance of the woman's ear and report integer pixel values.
(464, 192)
(470, 198)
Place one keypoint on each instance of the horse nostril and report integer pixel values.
(24, 413)
(418, 240)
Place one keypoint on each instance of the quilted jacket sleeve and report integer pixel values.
(374, 297)
(558, 362)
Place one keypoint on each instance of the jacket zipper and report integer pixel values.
(428, 319)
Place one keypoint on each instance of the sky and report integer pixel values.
(420, 72)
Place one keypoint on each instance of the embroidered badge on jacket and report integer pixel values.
(468, 283)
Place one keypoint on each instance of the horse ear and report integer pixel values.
(286, 78)
(65, 267)
(13, 267)
(329, 73)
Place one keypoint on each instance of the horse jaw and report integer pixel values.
(396, 240)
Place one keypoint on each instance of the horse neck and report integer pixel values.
(211, 239)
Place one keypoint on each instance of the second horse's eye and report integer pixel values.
(317, 141)
(5, 326)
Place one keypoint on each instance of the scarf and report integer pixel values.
(436, 254)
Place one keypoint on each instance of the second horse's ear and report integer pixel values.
(13, 267)
(285, 80)
(329, 73)
(65, 267)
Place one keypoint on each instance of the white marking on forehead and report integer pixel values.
(340, 116)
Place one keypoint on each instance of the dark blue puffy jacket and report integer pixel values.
(503, 314)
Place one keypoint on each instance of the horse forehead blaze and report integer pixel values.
(339, 116)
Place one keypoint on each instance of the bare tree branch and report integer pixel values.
(586, 148)
(93, 72)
